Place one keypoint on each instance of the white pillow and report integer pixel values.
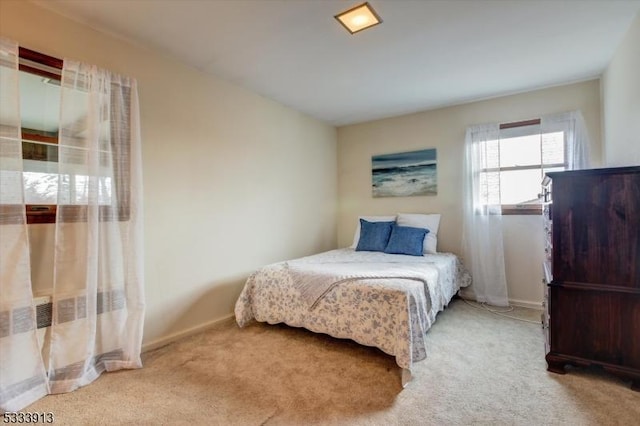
(427, 221)
(356, 237)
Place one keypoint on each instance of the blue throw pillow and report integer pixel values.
(406, 240)
(374, 236)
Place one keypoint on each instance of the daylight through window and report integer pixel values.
(58, 176)
(517, 163)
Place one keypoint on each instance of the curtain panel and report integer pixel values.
(576, 137)
(22, 372)
(98, 282)
(482, 242)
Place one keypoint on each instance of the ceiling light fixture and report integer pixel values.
(359, 18)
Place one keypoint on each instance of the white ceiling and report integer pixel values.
(426, 54)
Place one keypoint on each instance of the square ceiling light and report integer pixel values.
(359, 18)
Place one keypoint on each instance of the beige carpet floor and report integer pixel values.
(481, 369)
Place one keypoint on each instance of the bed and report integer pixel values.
(378, 299)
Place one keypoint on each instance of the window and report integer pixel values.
(50, 185)
(519, 160)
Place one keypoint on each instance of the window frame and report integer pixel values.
(524, 209)
(37, 63)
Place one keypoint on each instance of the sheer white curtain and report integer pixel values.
(483, 248)
(98, 281)
(482, 242)
(22, 373)
(576, 137)
(98, 300)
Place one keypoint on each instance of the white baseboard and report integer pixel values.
(526, 304)
(515, 302)
(163, 341)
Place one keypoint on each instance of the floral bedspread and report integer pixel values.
(391, 314)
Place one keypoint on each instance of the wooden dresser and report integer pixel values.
(592, 270)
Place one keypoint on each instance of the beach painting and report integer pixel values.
(405, 174)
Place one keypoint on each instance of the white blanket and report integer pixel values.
(314, 280)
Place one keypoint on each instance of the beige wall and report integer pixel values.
(444, 129)
(232, 181)
(621, 102)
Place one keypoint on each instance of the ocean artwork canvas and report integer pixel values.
(405, 174)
